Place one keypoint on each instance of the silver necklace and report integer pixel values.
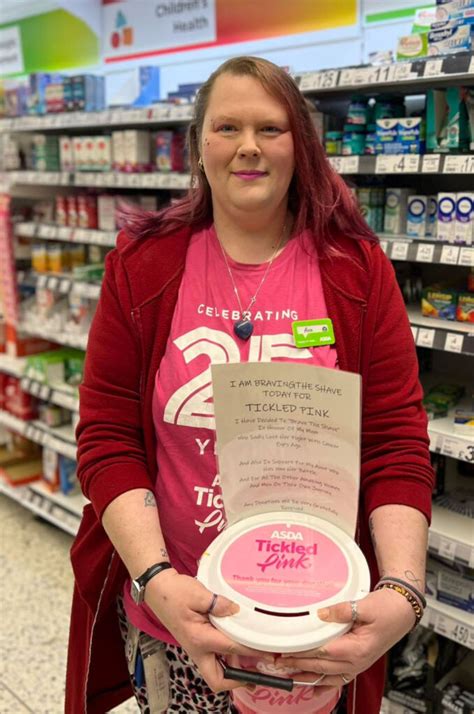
(243, 327)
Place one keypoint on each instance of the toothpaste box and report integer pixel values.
(464, 227)
(446, 217)
(432, 216)
(449, 37)
(411, 46)
(395, 218)
(446, 9)
(417, 211)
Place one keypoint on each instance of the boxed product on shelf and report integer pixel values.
(72, 216)
(454, 691)
(412, 46)
(53, 415)
(446, 9)
(68, 482)
(118, 156)
(395, 216)
(452, 585)
(101, 155)
(49, 307)
(138, 86)
(45, 152)
(74, 368)
(169, 148)
(17, 402)
(136, 150)
(17, 448)
(48, 367)
(446, 223)
(447, 119)
(54, 95)
(106, 212)
(464, 228)
(449, 37)
(50, 473)
(439, 302)
(66, 156)
(86, 93)
(432, 217)
(38, 83)
(20, 344)
(465, 307)
(417, 214)
(87, 211)
(403, 135)
(23, 472)
(439, 399)
(464, 421)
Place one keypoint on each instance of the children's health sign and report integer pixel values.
(134, 29)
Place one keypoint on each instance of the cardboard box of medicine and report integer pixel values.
(464, 227)
(447, 119)
(446, 230)
(455, 589)
(102, 153)
(78, 148)
(453, 36)
(54, 95)
(50, 468)
(411, 46)
(439, 303)
(36, 95)
(417, 211)
(83, 92)
(395, 218)
(411, 135)
(118, 155)
(465, 308)
(138, 86)
(68, 96)
(106, 207)
(66, 155)
(386, 136)
(137, 148)
(67, 475)
(432, 216)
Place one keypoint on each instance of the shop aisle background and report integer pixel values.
(35, 597)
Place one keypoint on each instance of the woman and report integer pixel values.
(270, 234)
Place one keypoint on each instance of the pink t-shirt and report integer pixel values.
(187, 487)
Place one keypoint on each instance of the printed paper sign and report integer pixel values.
(288, 439)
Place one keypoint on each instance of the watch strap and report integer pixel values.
(151, 572)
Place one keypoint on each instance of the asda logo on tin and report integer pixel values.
(287, 535)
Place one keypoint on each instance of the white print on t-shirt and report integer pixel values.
(191, 404)
(234, 315)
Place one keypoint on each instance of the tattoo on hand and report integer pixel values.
(164, 553)
(410, 575)
(150, 499)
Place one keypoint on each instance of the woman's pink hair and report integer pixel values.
(318, 197)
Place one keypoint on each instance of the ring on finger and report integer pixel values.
(354, 613)
(213, 604)
(345, 679)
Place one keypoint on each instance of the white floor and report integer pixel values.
(35, 593)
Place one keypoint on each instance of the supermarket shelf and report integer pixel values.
(60, 439)
(29, 229)
(446, 440)
(384, 164)
(451, 536)
(403, 77)
(101, 179)
(61, 395)
(65, 512)
(425, 250)
(14, 366)
(451, 622)
(62, 338)
(165, 114)
(447, 335)
(61, 283)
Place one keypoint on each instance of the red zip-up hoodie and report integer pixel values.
(116, 435)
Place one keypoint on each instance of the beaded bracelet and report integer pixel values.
(417, 609)
(406, 585)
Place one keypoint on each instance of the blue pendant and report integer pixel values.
(243, 329)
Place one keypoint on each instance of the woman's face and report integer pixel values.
(246, 146)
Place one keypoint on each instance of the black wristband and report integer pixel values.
(406, 585)
(152, 571)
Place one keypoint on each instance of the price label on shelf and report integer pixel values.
(384, 73)
(397, 164)
(462, 164)
(447, 549)
(454, 342)
(425, 337)
(433, 68)
(425, 252)
(35, 388)
(461, 633)
(42, 280)
(449, 255)
(109, 178)
(45, 392)
(466, 257)
(400, 251)
(53, 283)
(350, 165)
(64, 286)
(384, 246)
(337, 163)
(430, 164)
(414, 332)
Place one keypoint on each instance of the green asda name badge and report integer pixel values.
(313, 333)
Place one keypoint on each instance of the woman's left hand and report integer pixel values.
(383, 618)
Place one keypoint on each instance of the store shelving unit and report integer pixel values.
(449, 535)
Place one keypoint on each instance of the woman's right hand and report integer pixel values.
(181, 603)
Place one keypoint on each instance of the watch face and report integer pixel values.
(136, 592)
